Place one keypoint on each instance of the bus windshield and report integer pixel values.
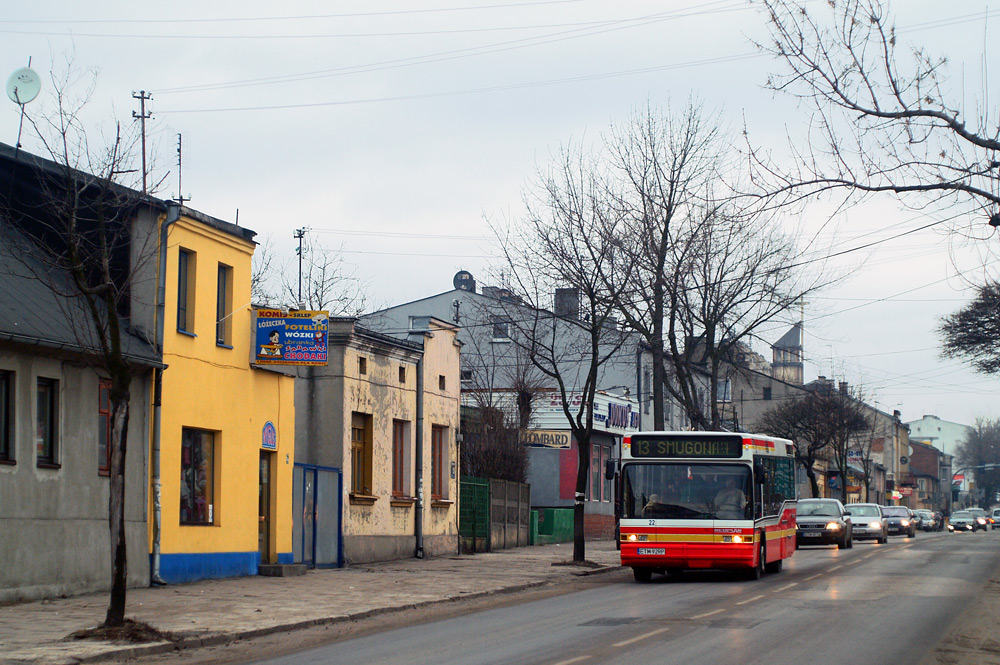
(694, 491)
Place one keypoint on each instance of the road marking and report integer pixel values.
(814, 577)
(868, 556)
(573, 660)
(750, 600)
(641, 637)
(786, 587)
(830, 570)
(708, 614)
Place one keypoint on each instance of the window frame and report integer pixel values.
(104, 426)
(224, 306)
(209, 496)
(186, 267)
(47, 450)
(439, 489)
(399, 457)
(361, 454)
(7, 455)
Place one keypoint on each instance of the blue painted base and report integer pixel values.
(286, 558)
(180, 568)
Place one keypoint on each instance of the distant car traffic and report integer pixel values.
(996, 518)
(900, 521)
(823, 522)
(928, 520)
(868, 522)
(962, 520)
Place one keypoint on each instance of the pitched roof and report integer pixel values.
(37, 306)
(791, 339)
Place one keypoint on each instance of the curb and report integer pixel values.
(217, 639)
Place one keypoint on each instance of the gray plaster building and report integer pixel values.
(54, 452)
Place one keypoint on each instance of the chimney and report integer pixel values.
(843, 387)
(567, 303)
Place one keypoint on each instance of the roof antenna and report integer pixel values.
(180, 197)
(23, 86)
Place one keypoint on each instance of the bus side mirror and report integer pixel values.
(759, 473)
(611, 469)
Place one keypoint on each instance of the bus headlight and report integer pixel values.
(632, 537)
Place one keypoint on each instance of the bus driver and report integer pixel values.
(730, 501)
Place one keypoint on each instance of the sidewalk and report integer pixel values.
(220, 611)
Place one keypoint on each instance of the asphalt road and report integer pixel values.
(873, 603)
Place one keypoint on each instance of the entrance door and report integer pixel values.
(264, 509)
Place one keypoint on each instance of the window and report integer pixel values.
(501, 330)
(361, 453)
(594, 486)
(767, 393)
(466, 375)
(439, 486)
(6, 417)
(104, 428)
(647, 389)
(441, 382)
(224, 307)
(400, 458)
(362, 366)
(47, 423)
(197, 476)
(185, 291)
(402, 374)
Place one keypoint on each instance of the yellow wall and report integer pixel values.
(210, 387)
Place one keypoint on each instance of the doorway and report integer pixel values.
(264, 509)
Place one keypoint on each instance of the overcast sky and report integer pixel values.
(398, 130)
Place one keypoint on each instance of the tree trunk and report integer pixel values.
(582, 471)
(116, 511)
(813, 483)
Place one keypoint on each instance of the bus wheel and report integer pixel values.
(642, 574)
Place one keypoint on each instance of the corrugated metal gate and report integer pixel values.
(510, 514)
(494, 514)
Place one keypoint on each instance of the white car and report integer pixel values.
(868, 521)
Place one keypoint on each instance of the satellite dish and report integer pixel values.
(23, 85)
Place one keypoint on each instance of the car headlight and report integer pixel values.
(904, 522)
(981, 520)
(951, 527)
(874, 525)
(833, 526)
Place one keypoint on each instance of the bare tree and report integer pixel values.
(981, 447)
(700, 273)
(328, 282)
(881, 120)
(822, 424)
(77, 215)
(558, 246)
(972, 332)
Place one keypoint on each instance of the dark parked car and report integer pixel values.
(901, 521)
(823, 522)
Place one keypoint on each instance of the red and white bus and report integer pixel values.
(706, 500)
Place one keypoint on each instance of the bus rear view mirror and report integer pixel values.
(759, 473)
(611, 469)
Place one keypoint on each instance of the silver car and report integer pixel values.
(962, 520)
(869, 522)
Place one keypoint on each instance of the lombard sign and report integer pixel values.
(537, 438)
(290, 338)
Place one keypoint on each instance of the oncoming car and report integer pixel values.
(823, 522)
(982, 519)
(868, 521)
(900, 521)
(961, 520)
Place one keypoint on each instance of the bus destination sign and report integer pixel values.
(689, 446)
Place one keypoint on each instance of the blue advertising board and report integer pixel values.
(290, 337)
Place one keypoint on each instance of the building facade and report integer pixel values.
(383, 418)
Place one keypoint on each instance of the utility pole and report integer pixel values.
(299, 234)
(142, 116)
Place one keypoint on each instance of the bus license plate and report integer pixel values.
(652, 550)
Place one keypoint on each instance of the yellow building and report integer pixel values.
(223, 444)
